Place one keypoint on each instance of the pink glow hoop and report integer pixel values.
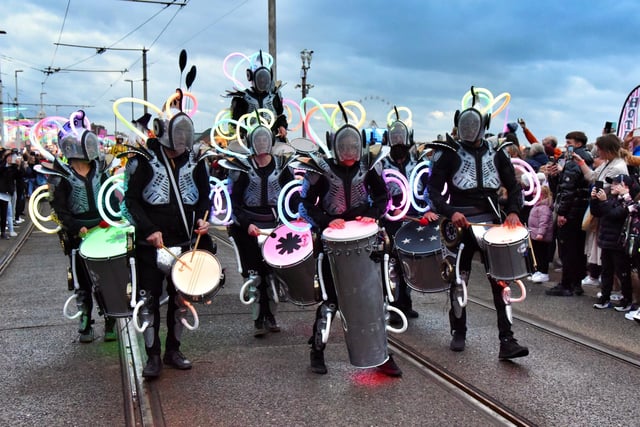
(394, 176)
(174, 96)
(533, 183)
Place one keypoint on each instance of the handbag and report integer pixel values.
(586, 219)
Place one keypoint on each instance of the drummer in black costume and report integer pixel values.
(74, 190)
(402, 157)
(166, 199)
(349, 186)
(474, 170)
(263, 94)
(256, 183)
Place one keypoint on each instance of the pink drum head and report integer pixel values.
(286, 247)
(502, 235)
(353, 230)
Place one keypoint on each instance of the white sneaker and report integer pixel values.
(615, 296)
(534, 276)
(630, 315)
(540, 277)
(19, 221)
(13, 234)
(590, 281)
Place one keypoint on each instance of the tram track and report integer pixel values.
(143, 406)
(552, 330)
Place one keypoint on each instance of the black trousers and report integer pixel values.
(571, 239)
(459, 325)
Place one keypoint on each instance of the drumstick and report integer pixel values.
(198, 238)
(176, 257)
(422, 221)
(267, 233)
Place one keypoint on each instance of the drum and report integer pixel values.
(507, 251)
(197, 274)
(106, 253)
(290, 254)
(420, 254)
(358, 282)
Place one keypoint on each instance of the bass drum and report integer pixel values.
(420, 254)
(107, 253)
(358, 282)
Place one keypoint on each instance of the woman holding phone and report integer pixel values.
(608, 163)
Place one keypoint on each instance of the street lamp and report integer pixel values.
(2, 140)
(18, 129)
(16, 98)
(131, 81)
(305, 56)
(115, 121)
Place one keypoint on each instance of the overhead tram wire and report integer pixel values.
(213, 23)
(137, 60)
(55, 51)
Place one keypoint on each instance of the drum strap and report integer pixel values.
(176, 190)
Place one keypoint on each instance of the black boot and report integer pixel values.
(510, 349)
(390, 368)
(153, 367)
(260, 328)
(270, 323)
(110, 329)
(177, 360)
(457, 341)
(317, 362)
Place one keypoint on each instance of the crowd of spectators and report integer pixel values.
(584, 219)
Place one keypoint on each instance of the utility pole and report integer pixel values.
(2, 140)
(131, 81)
(272, 38)
(101, 50)
(305, 56)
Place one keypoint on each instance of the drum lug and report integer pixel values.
(451, 235)
(447, 269)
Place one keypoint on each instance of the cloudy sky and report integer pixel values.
(568, 65)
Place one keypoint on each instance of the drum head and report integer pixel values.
(353, 230)
(303, 145)
(285, 247)
(415, 238)
(197, 273)
(105, 242)
(503, 235)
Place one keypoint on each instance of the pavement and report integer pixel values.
(48, 378)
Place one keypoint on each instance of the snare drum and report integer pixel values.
(358, 282)
(290, 254)
(507, 251)
(105, 252)
(420, 254)
(197, 275)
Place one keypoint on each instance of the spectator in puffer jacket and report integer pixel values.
(541, 232)
(613, 211)
(571, 188)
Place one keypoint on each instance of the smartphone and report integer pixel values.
(569, 154)
(608, 127)
(636, 132)
(599, 185)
